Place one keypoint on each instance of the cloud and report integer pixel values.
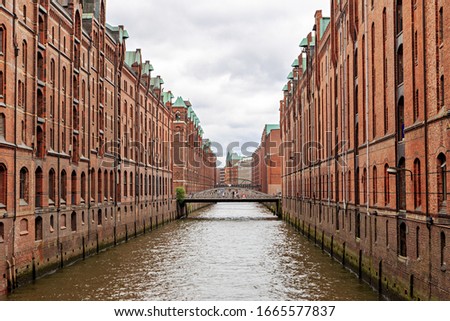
(230, 58)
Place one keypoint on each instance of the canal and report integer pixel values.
(225, 252)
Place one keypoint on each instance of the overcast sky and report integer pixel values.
(230, 58)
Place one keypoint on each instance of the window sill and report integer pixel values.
(23, 233)
(23, 202)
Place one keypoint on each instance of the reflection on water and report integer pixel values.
(225, 252)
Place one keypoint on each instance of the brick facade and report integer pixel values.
(86, 131)
(365, 116)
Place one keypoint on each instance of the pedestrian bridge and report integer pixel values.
(233, 194)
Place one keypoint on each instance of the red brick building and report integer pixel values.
(194, 162)
(267, 161)
(365, 117)
(86, 155)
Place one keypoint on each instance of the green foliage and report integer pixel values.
(181, 194)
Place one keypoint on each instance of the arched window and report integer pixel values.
(73, 222)
(2, 126)
(83, 188)
(99, 217)
(2, 39)
(2, 232)
(402, 240)
(42, 30)
(38, 229)
(375, 185)
(73, 188)
(417, 184)
(364, 185)
(40, 67)
(24, 226)
(99, 186)
(63, 186)
(52, 223)
(401, 185)
(92, 173)
(401, 119)
(40, 104)
(38, 190)
(111, 185)
(131, 185)
(105, 182)
(442, 182)
(125, 185)
(399, 17)
(443, 244)
(24, 55)
(51, 187)
(63, 221)
(23, 188)
(3, 186)
(40, 142)
(387, 196)
(400, 65)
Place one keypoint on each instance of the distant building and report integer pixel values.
(266, 161)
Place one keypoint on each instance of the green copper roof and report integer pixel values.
(156, 82)
(147, 68)
(270, 127)
(303, 43)
(167, 97)
(133, 57)
(304, 63)
(295, 63)
(324, 22)
(179, 103)
(291, 75)
(285, 88)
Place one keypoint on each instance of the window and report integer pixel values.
(83, 187)
(401, 119)
(52, 223)
(73, 222)
(387, 196)
(111, 185)
(2, 126)
(2, 40)
(417, 185)
(402, 185)
(400, 64)
(131, 184)
(364, 185)
(63, 186)
(105, 182)
(375, 185)
(125, 185)
(40, 142)
(38, 190)
(99, 217)
(2, 232)
(3, 186)
(442, 182)
(63, 221)
(399, 17)
(99, 186)
(2, 84)
(51, 187)
(443, 244)
(402, 240)
(92, 185)
(24, 226)
(358, 225)
(417, 242)
(23, 184)
(73, 188)
(38, 229)
(441, 25)
(24, 55)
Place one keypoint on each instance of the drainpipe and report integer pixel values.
(429, 219)
(16, 53)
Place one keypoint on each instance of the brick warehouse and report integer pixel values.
(365, 126)
(86, 158)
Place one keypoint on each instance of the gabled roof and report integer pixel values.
(156, 82)
(167, 97)
(270, 127)
(291, 75)
(295, 63)
(133, 57)
(179, 103)
(324, 22)
(285, 88)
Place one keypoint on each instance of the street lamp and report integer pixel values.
(395, 170)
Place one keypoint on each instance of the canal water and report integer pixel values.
(225, 252)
